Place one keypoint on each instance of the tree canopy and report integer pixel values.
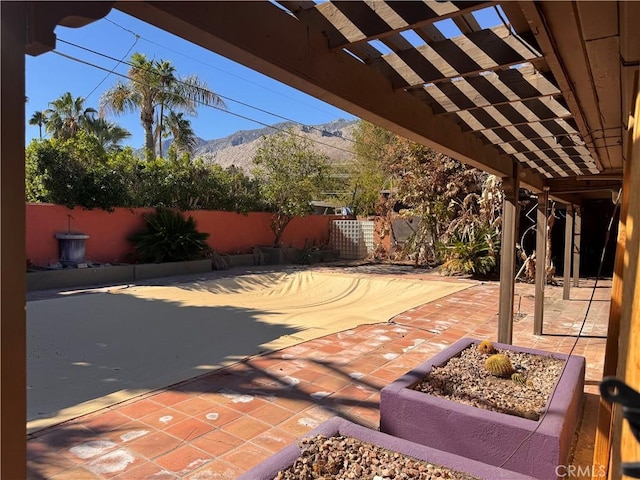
(290, 174)
(453, 208)
(67, 115)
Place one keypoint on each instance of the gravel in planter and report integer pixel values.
(464, 379)
(340, 457)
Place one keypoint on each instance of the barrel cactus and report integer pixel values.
(486, 346)
(499, 365)
(519, 378)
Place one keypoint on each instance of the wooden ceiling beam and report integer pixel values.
(254, 33)
(571, 45)
(467, 23)
(44, 17)
(585, 183)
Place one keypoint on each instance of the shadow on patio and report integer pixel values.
(221, 424)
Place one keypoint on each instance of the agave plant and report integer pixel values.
(169, 237)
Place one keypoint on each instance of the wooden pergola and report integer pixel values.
(546, 100)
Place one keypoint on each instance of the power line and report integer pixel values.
(114, 67)
(244, 117)
(214, 67)
(239, 102)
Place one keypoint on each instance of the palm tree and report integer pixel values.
(152, 87)
(67, 115)
(168, 81)
(108, 133)
(180, 129)
(38, 118)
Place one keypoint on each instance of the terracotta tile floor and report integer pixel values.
(220, 425)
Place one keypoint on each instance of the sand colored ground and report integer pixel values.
(93, 350)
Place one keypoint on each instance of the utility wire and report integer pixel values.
(123, 28)
(244, 117)
(114, 67)
(182, 82)
(214, 67)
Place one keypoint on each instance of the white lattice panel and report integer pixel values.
(354, 238)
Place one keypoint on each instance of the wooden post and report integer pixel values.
(541, 256)
(568, 243)
(602, 445)
(577, 227)
(628, 449)
(511, 186)
(13, 400)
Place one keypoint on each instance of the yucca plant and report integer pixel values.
(169, 237)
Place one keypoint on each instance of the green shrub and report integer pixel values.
(74, 172)
(169, 237)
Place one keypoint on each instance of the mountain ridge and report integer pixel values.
(333, 138)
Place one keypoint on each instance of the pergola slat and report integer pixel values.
(491, 89)
(520, 110)
(543, 108)
(464, 55)
(550, 162)
(356, 21)
(363, 17)
(467, 23)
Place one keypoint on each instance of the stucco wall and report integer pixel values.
(108, 232)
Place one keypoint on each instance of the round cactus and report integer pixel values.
(499, 365)
(519, 378)
(486, 346)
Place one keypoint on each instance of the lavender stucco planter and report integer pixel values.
(481, 434)
(268, 469)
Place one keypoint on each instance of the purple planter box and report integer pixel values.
(481, 434)
(282, 460)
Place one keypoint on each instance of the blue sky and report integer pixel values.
(50, 75)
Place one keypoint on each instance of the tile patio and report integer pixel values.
(221, 424)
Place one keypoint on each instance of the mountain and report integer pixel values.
(333, 139)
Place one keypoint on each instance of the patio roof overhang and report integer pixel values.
(545, 101)
(548, 91)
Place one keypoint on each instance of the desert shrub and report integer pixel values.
(169, 237)
(472, 252)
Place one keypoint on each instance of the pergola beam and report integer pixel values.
(310, 66)
(549, 44)
(43, 17)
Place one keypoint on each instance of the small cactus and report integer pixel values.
(486, 346)
(499, 365)
(519, 378)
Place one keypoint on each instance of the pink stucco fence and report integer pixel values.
(108, 232)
